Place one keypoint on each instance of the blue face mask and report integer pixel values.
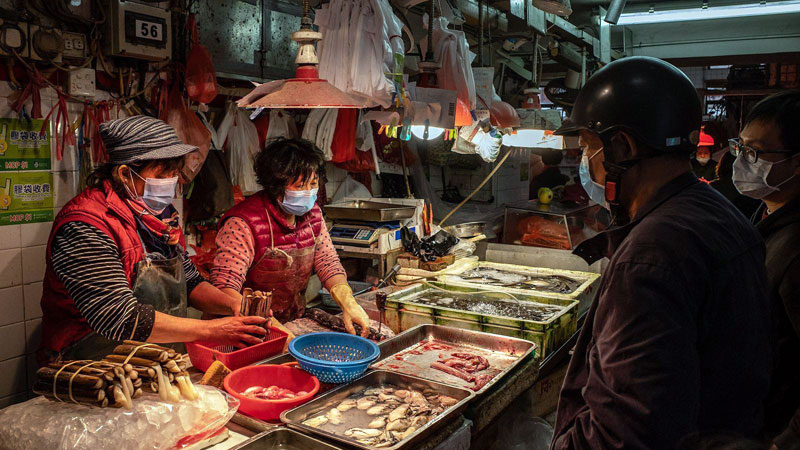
(596, 191)
(299, 202)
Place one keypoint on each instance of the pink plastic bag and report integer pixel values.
(201, 81)
(190, 130)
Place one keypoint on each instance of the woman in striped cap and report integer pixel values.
(116, 264)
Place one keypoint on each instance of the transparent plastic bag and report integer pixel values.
(201, 80)
(190, 130)
(243, 146)
(151, 424)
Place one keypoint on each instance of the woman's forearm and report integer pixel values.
(334, 280)
(168, 329)
(208, 298)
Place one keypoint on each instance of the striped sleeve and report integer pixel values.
(193, 276)
(88, 263)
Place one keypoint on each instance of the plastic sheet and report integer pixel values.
(152, 424)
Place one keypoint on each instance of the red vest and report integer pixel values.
(62, 323)
(286, 237)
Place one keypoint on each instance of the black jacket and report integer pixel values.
(781, 233)
(676, 340)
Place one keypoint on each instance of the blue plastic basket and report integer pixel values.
(334, 358)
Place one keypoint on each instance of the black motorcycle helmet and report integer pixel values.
(648, 98)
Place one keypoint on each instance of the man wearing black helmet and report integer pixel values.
(675, 342)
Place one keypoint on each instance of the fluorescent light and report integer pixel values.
(712, 12)
(533, 139)
(419, 132)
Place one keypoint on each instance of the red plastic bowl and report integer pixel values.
(285, 377)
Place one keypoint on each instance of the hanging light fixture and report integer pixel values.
(428, 79)
(306, 90)
(558, 7)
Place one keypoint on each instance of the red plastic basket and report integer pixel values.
(203, 353)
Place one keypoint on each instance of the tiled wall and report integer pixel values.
(22, 265)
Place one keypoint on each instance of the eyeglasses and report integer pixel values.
(736, 147)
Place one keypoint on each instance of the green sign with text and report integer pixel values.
(26, 197)
(23, 145)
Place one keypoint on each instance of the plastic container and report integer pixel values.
(334, 358)
(284, 376)
(203, 353)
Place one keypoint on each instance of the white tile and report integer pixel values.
(13, 399)
(13, 339)
(13, 377)
(69, 159)
(35, 233)
(66, 187)
(33, 263)
(33, 335)
(11, 305)
(9, 236)
(32, 293)
(10, 267)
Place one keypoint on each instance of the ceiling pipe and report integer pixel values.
(614, 11)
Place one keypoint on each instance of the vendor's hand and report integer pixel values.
(238, 331)
(352, 312)
(234, 300)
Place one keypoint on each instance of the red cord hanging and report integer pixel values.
(62, 128)
(35, 83)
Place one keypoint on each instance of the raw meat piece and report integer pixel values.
(453, 371)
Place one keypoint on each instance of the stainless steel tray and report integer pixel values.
(363, 210)
(295, 417)
(503, 353)
(283, 438)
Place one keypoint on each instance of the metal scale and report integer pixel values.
(362, 223)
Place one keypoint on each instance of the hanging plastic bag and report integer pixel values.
(201, 81)
(281, 124)
(343, 147)
(350, 188)
(190, 130)
(242, 145)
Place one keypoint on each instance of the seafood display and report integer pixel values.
(461, 362)
(518, 280)
(493, 304)
(453, 356)
(381, 416)
(271, 393)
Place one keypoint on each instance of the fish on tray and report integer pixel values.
(389, 414)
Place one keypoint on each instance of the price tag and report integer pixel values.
(149, 30)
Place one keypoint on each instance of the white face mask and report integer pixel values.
(750, 179)
(158, 192)
(703, 159)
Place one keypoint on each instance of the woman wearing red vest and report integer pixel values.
(116, 265)
(275, 238)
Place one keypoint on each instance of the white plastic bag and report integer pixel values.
(281, 124)
(152, 424)
(350, 188)
(242, 144)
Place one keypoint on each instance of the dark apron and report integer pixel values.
(161, 283)
(286, 275)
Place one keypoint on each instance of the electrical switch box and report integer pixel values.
(46, 44)
(82, 83)
(139, 31)
(14, 35)
(75, 47)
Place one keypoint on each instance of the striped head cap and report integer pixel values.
(141, 138)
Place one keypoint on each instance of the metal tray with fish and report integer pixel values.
(380, 410)
(416, 352)
(284, 438)
(363, 210)
(536, 281)
(545, 321)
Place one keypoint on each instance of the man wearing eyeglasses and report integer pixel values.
(767, 167)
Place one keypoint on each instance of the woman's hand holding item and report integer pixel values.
(352, 312)
(238, 331)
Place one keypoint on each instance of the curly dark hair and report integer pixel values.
(282, 161)
(106, 171)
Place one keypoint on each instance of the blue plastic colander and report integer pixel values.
(334, 358)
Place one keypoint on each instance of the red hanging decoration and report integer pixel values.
(35, 83)
(93, 115)
(64, 136)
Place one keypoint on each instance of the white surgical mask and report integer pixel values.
(158, 192)
(595, 190)
(750, 179)
(299, 202)
(703, 159)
